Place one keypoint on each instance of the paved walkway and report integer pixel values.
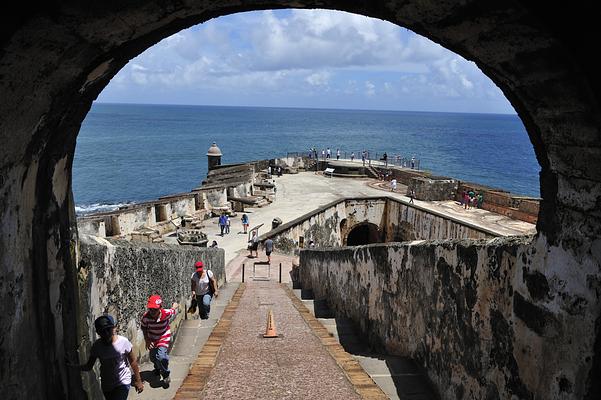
(292, 366)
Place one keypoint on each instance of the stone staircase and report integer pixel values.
(398, 377)
(371, 171)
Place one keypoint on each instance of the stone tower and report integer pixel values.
(214, 156)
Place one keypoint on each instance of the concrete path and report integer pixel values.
(293, 366)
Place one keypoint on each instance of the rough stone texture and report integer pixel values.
(477, 314)
(330, 225)
(433, 189)
(57, 57)
(117, 276)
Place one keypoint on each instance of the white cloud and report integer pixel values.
(370, 88)
(302, 52)
(320, 78)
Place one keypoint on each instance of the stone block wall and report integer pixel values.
(117, 277)
(487, 319)
(329, 225)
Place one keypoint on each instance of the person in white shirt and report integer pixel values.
(204, 288)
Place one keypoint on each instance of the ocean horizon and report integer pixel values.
(129, 153)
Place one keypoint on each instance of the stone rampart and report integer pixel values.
(487, 319)
(118, 276)
(329, 225)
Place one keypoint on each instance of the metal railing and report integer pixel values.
(391, 158)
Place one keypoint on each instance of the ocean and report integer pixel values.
(129, 153)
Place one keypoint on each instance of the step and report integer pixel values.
(398, 377)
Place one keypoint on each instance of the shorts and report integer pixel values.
(268, 252)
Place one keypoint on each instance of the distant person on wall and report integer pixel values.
(323, 154)
(280, 171)
(328, 153)
(227, 224)
(480, 199)
(268, 249)
(393, 185)
(411, 195)
(253, 244)
(116, 358)
(363, 155)
(222, 223)
(385, 159)
(157, 335)
(465, 199)
(204, 288)
(472, 195)
(245, 222)
(413, 162)
(269, 170)
(352, 156)
(338, 154)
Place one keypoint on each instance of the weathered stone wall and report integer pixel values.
(487, 319)
(328, 226)
(433, 189)
(118, 276)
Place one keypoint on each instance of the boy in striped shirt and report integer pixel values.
(157, 334)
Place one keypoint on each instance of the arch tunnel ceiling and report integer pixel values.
(56, 58)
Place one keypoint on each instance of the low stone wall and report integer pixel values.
(504, 203)
(117, 277)
(477, 315)
(329, 225)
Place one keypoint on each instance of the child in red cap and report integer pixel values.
(204, 287)
(157, 334)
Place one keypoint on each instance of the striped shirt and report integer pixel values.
(158, 331)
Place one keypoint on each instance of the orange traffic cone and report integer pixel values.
(270, 331)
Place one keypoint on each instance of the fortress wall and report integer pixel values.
(486, 319)
(118, 276)
(406, 223)
(329, 225)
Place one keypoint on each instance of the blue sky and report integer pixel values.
(305, 58)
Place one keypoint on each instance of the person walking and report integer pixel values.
(385, 159)
(245, 222)
(352, 156)
(204, 288)
(411, 195)
(116, 358)
(253, 244)
(363, 155)
(222, 223)
(328, 153)
(157, 335)
(393, 185)
(480, 199)
(227, 224)
(268, 249)
(337, 154)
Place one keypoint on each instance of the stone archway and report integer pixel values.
(363, 233)
(55, 61)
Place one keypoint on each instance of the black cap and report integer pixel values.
(104, 322)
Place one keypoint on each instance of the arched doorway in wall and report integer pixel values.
(67, 63)
(362, 234)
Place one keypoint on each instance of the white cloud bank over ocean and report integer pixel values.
(305, 58)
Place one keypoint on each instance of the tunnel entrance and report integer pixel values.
(363, 234)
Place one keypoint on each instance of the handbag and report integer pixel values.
(193, 305)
